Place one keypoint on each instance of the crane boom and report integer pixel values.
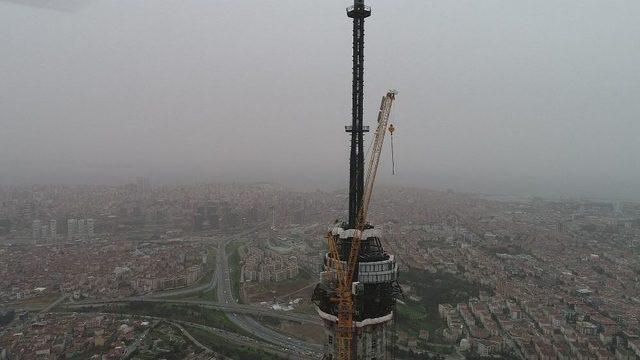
(345, 274)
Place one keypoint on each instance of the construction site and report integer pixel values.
(358, 286)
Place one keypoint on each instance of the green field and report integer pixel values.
(441, 287)
(234, 268)
(412, 317)
(211, 258)
(431, 289)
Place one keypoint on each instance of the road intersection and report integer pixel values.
(239, 314)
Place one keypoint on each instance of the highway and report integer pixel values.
(205, 287)
(134, 346)
(54, 304)
(232, 337)
(229, 308)
(225, 296)
(237, 313)
(192, 339)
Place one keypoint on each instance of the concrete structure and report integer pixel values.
(36, 227)
(72, 229)
(82, 229)
(90, 224)
(53, 229)
(374, 297)
(374, 282)
(41, 232)
(206, 216)
(266, 266)
(143, 185)
(44, 233)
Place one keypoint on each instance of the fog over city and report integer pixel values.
(511, 97)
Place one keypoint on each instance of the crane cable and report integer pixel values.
(393, 163)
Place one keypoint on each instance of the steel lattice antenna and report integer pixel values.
(358, 12)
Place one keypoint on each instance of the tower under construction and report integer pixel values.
(356, 252)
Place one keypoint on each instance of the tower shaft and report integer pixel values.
(356, 160)
(358, 284)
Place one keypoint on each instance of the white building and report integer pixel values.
(143, 185)
(53, 229)
(82, 229)
(72, 229)
(44, 232)
(36, 227)
(90, 227)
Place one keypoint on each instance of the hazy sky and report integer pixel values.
(528, 97)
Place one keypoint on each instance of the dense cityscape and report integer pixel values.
(211, 180)
(526, 277)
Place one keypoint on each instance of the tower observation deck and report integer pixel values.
(374, 286)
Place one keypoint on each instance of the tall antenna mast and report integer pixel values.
(358, 12)
(358, 287)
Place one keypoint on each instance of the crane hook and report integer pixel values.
(393, 163)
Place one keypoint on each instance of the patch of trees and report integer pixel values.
(441, 287)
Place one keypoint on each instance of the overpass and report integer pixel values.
(229, 308)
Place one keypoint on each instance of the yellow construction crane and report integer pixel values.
(344, 291)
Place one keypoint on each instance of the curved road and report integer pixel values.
(229, 308)
(249, 324)
(236, 312)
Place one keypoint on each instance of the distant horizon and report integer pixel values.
(494, 97)
(333, 186)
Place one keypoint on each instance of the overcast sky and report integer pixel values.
(500, 96)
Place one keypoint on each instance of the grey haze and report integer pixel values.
(501, 96)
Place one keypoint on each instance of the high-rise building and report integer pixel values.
(72, 229)
(36, 227)
(27, 210)
(207, 216)
(143, 185)
(618, 207)
(5, 226)
(82, 229)
(53, 229)
(90, 227)
(44, 233)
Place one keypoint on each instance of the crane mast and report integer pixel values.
(344, 295)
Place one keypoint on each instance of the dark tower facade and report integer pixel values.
(358, 12)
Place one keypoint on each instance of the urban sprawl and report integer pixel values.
(538, 278)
